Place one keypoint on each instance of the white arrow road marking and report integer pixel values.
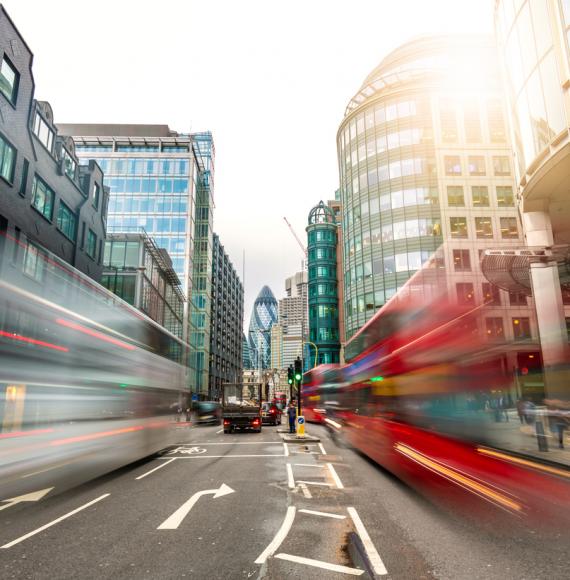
(34, 496)
(176, 518)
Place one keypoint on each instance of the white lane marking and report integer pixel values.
(218, 432)
(225, 456)
(279, 536)
(320, 564)
(60, 519)
(308, 465)
(230, 443)
(156, 468)
(333, 423)
(325, 515)
(322, 449)
(335, 476)
(315, 483)
(375, 560)
(290, 478)
(305, 491)
(286, 449)
(172, 522)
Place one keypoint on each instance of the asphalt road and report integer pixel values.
(269, 510)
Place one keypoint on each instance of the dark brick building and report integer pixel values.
(226, 332)
(47, 200)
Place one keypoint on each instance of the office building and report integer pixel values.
(533, 38)
(425, 157)
(47, 201)
(140, 273)
(263, 317)
(162, 181)
(323, 284)
(225, 364)
(246, 360)
(276, 346)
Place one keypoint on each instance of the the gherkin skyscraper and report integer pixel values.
(263, 317)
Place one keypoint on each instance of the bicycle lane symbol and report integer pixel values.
(188, 451)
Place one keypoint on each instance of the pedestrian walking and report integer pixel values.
(292, 414)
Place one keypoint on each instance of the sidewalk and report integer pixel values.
(512, 435)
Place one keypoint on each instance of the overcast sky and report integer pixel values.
(269, 78)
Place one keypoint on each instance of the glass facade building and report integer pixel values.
(162, 181)
(424, 156)
(263, 317)
(323, 285)
(534, 41)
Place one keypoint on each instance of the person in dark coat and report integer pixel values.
(292, 414)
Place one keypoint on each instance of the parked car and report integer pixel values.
(270, 414)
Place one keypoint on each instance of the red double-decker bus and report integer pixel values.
(426, 394)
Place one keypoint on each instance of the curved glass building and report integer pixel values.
(323, 289)
(424, 156)
(263, 317)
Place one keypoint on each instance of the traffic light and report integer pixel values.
(298, 369)
(290, 375)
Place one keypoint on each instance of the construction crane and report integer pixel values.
(303, 249)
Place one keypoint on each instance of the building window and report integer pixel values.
(43, 132)
(494, 328)
(465, 293)
(480, 195)
(96, 194)
(66, 221)
(69, 165)
(42, 197)
(501, 166)
(34, 262)
(448, 120)
(24, 180)
(455, 196)
(91, 244)
(7, 160)
(462, 260)
(483, 227)
(452, 165)
(521, 328)
(496, 121)
(505, 196)
(491, 294)
(9, 80)
(476, 165)
(472, 122)
(458, 227)
(517, 299)
(509, 228)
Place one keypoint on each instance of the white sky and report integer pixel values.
(269, 78)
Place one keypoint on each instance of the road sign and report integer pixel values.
(178, 516)
(301, 426)
(188, 450)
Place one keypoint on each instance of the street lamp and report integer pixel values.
(316, 350)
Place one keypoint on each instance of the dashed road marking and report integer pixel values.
(372, 553)
(307, 465)
(56, 521)
(285, 449)
(290, 478)
(335, 476)
(157, 468)
(315, 483)
(218, 432)
(320, 564)
(322, 449)
(305, 490)
(323, 514)
(279, 536)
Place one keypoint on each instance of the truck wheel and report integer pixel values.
(226, 431)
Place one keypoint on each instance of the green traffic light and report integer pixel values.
(298, 377)
(290, 381)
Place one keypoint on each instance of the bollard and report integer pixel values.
(540, 435)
